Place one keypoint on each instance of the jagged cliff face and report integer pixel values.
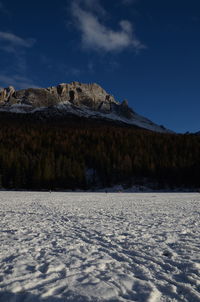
(86, 100)
(6, 93)
(90, 95)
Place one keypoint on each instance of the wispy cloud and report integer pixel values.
(96, 35)
(16, 48)
(11, 42)
(3, 9)
(16, 81)
(92, 5)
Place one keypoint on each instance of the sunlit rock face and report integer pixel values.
(84, 93)
(76, 93)
(92, 96)
(6, 93)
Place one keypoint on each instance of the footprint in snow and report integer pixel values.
(167, 254)
(43, 268)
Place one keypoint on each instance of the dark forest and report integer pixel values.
(81, 154)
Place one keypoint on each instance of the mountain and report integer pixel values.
(74, 99)
(77, 136)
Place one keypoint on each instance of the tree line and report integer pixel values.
(81, 154)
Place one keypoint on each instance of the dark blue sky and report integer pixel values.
(145, 51)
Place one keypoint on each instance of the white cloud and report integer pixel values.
(96, 35)
(11, 42)
(17, 81)
(14, 72)
(92, 5)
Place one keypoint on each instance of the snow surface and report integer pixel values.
(82, 247)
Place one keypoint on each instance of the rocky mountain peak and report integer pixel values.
(75, 98)
(89, 95)
(86, 94)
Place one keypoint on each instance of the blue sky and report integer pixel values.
(145, 51)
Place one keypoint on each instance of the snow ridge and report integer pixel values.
(66, 108)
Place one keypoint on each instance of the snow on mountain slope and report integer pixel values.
(91, 247)
(85, 100)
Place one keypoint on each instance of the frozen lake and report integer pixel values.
(82, 247)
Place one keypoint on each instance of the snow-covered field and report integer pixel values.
(81, 247)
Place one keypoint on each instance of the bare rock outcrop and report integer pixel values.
(6, 93)
(91, 96)
(36, 97)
